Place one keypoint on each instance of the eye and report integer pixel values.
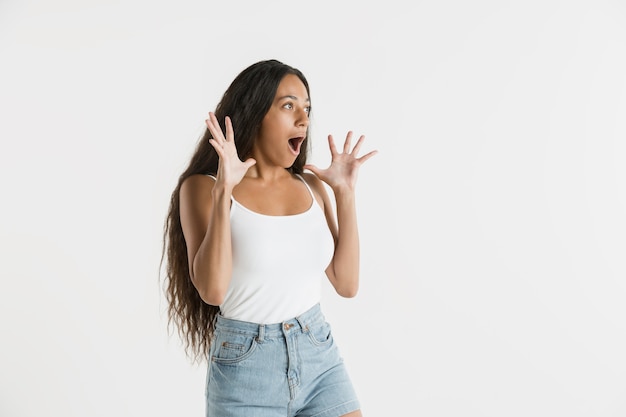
(288, 106)
(307, 109)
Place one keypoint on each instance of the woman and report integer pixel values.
(248, 237)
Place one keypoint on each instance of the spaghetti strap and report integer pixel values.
(215, 180)
(307, 186)
(297, 175)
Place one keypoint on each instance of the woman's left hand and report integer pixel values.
(343, 170)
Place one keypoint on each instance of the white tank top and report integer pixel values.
(278, 263)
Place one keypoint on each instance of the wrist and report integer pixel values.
(343, 191)
(221, 192)
(344, 195)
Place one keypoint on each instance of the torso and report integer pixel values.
(281, 248)
(285, 198)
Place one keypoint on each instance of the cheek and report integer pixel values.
(265, 131)
(275, 125)
(269, 136)
(270, 122)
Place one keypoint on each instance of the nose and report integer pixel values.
(302, 118)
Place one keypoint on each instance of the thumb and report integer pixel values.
(314, 169)
(249, 162)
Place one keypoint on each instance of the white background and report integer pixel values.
(492, 220)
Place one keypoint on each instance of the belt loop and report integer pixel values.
(261, 333)
(303, 325)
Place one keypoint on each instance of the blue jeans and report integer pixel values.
(285, 369)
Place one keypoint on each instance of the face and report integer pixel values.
(285, 125)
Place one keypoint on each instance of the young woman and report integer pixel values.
(249, 237)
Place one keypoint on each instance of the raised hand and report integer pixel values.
(231, 169)
(343, 170)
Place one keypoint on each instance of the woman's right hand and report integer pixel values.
(231, 169)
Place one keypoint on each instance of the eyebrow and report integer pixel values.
(293, 98)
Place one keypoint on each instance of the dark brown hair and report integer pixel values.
(247, 100)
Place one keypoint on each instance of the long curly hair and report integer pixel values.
(247, 100)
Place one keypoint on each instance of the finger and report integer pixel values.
(214, 128)
(211, 127)
(208, 123)
(314, 169)
(230, 135)
(219, 149)
(331, 145)
(367, 156)
(249, 162)
(346, 144)
(359, 142)
(218, 128)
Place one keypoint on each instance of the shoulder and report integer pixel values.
(314, 182)
(318, 188)
(197, 185)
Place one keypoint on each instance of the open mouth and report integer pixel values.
(295, 144)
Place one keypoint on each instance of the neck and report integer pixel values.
(267, 174)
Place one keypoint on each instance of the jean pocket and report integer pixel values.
(231, 347)
(320, 333)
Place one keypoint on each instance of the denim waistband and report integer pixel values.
(300, 323)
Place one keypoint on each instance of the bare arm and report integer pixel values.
(341, 176)
(343, 272)
(205, 216)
